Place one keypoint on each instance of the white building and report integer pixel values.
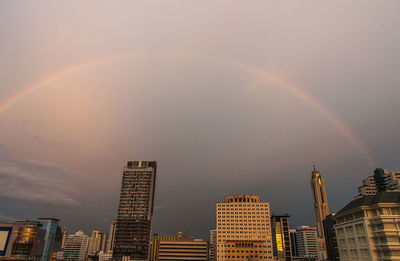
(76, 246)
(306, 238)
(111, 236)
(97, 242)
(243, 229)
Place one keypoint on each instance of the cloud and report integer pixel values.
(5, 218)
(37, 181)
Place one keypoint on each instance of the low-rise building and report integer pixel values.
(368, 228)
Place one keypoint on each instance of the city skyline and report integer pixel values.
(237, 100)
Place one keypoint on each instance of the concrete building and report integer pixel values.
(97, 242)
(213, 245)
(111, 237)
(306, 238)
(281, 244)
(382, 180)
(368, 228)
(243, 229)
(135, 212)
(168, 248)
(321, 210)
(76, 247)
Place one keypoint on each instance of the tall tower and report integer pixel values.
(321, 209)
(133, 228)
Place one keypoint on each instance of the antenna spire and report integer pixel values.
(314, 165)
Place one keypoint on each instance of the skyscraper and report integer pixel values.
(243, 229)
(321, 209)
(97, 242)
(281, 237)
(133, 229)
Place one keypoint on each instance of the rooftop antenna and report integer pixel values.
(314, 165)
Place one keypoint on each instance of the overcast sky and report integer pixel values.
(173, 87)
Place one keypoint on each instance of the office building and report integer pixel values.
(306, 238)
(281, 244)
(321, 209)
(368, 228)
(243, 229)
(330, 238)
(293, 243)
(179, 248)
(133, 229)
(213, 245)
(368, 187)
(53, 237)
(97, 242)
(111, 237)
(75, 248)
(64, 237)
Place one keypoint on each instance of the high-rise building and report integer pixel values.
(243, 229)
(321, 209)
(111, 237)
(368, 228)
(307, 242)
(213, 245)
(133, 229)
(281, 237)
(64, 237)
(97, 242)
(53, 237)
(185, 248)
(382, 180)
(76, 247)
(330, 238)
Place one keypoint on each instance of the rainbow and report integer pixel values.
(339, 124)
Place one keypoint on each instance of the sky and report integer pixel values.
(229, 97)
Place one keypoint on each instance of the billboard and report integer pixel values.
(5, 233)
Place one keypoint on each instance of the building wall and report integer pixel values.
(76, 247)
(183, 250)
(281, 237)
(213, 245)
(369, 233)
(133, 228)
(243, 229)
(307, 242)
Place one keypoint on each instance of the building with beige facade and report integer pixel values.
(175, 248)
(243, 229)
(368, 228)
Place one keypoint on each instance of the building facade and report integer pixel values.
(293, 242)
(213, 245)
(243, 229)
(111, 237)
(53, 237)
(133, 228)
(321, 209)
(330, 238)
(307, 246)
(382, 180)
(97, 242)
(368, 228)
(76, 246)
(185, 248)
(281, 237)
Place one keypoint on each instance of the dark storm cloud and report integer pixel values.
(38, 181)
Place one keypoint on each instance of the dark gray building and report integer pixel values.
(133, 228)
(330, 238)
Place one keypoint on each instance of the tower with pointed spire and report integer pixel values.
(321, 209)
